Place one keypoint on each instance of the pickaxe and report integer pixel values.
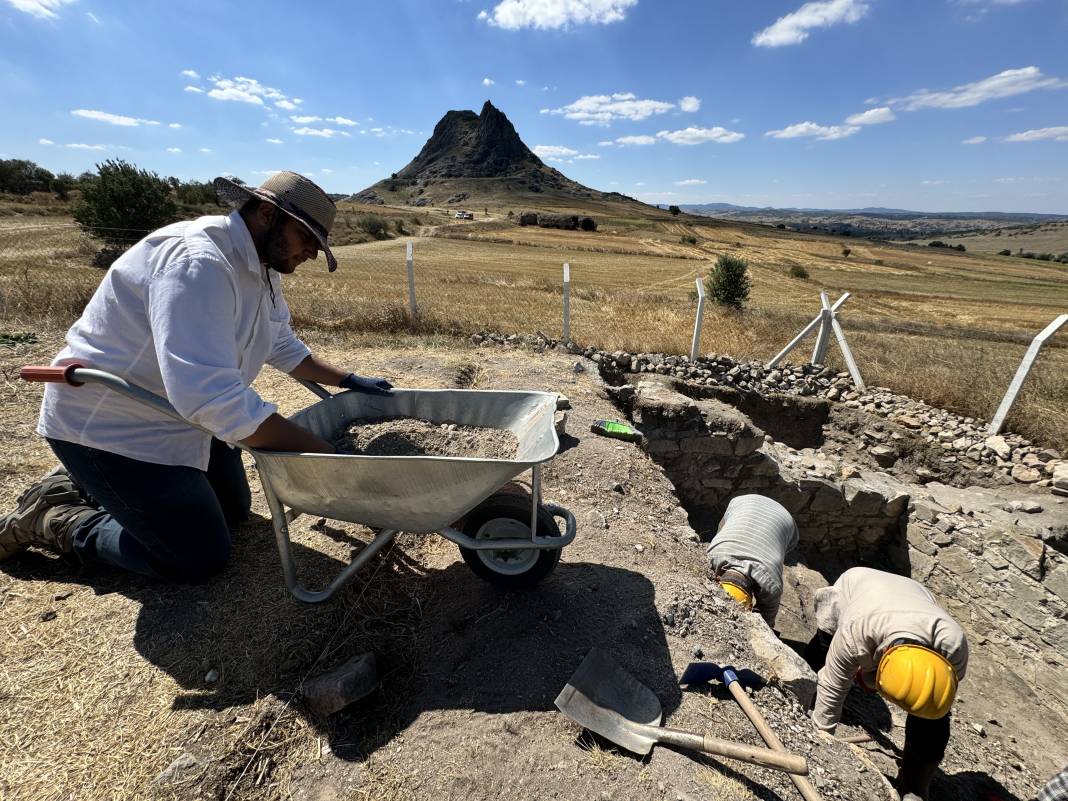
(735, 681)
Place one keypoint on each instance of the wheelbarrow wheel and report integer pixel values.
(507, 515)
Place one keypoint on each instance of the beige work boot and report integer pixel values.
(46, 516)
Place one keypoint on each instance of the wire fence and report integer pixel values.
(627, 298)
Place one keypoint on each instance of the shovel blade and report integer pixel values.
(604, 698)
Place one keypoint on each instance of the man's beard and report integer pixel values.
(271, 246)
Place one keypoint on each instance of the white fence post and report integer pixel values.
(700, 318)
(819, 352)
(411, 280)
(843, 346)
(567, 302)
(1021, 374)
(805, 332)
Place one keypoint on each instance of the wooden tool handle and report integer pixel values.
(765, 757)
(803, 785)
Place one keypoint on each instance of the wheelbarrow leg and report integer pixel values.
(280, 522)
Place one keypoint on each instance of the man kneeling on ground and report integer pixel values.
(191, 312)
(888, 634)
(748, 552)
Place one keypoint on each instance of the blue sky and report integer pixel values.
(923, 104)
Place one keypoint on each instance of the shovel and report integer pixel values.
(605, 699)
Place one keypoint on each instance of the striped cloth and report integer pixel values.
(754, 537)
(1056, 789)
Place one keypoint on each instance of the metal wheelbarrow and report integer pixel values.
(505, 538)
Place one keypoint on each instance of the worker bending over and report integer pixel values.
(748, 552)
(889, 634)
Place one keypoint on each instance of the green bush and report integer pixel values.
(688, 240)
(728, 283)
(846, 252)
(376, 226)
(123, 203)
(797, 271)
(1005, 252)
(20, 177)
(674, 210)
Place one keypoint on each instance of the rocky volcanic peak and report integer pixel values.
(469, 145)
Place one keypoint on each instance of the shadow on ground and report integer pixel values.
(444, 639)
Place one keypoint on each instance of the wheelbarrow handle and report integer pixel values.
(63, 373)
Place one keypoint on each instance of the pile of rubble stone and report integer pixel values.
(962, 439)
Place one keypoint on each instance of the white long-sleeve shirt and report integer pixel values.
(754, 538)
(185, 313)
(866, 610)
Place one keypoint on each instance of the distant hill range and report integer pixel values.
(874, 222)
(478, 159)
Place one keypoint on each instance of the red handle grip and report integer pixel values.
(57, 375)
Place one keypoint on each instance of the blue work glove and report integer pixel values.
(372, 386)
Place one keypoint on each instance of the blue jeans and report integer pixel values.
(162, 521)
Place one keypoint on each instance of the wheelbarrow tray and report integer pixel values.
(418, 494)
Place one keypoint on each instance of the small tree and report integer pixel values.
(797, 271)
(846, 252)
(675, 210)
(123, 203)
(728, 283)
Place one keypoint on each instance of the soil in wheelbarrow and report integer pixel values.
(407, 436)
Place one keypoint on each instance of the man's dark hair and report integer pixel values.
(250, 206)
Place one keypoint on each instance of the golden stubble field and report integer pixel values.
(946, 327)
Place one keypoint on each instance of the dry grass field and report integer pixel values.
(1046, 238)
(943, 326)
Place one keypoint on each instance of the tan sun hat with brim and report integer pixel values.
(294, 194)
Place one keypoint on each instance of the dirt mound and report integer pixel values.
(405, 436)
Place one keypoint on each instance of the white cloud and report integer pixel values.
(697, 136)
(246, 90)
(206, 150)
(604, 109)
(274, 141)
(488, 81)
(174, 150)
(605, 143)
(690, 103)
(1009, 180)
(639, 183)
(975, 140)
(553, 151)
(305, 119)
(190, 74)
(43, 141)
(636, 140)
(1005, 84)
(520, 82)
(42, 9)
(561, 154)
(112, 119)
(934, 182)
(194, 89)
(873, 116)
(1058, 134)
(174, 125)
(326, 170)
(324, 133)
(794, 27)
(79, 146)
(824, 132)
(286, 105)
(690, 182)
(548, 14)
(342, 121)
(93, 17)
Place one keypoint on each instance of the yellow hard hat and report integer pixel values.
(738, 594)
(917, 679)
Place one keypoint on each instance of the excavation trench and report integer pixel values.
(715, 443)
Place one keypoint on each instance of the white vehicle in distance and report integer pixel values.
(463, 215)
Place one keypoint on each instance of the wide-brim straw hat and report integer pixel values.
(299, 197)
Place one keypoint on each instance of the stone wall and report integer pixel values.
(712, 452)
